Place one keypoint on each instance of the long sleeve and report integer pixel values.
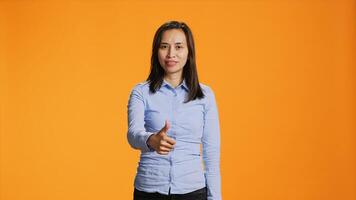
(211, 147)
(136, 134)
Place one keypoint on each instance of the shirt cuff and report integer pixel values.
(146, 147)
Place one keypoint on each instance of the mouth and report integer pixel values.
(170, 63)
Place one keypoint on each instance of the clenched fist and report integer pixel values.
(160, 142)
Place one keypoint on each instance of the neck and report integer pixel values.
(173, 79)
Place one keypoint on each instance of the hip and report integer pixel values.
(200, 194)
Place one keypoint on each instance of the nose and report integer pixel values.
(171, 52)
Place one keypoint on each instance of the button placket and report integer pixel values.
(174, 109)
(174, 101)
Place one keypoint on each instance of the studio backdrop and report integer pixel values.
(283, 73)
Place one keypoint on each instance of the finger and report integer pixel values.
(166, 144)
(166, 126)
(170, 140)
(165, 149)
(163, 152)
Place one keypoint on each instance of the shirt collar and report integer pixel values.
(183, 84)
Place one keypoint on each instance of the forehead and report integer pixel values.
(173, 36)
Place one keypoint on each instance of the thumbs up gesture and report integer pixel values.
(160, 141)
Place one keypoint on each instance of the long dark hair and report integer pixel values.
(190, 73)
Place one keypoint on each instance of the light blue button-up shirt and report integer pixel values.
(194, 123)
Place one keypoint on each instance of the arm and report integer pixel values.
(211, 148)
(136, 134)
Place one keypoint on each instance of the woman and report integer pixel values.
(169, 116)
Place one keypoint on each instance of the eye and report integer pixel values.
(163, 46)
(179, 47)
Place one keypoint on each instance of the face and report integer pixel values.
(173, 51)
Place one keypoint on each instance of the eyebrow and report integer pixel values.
(175, 43)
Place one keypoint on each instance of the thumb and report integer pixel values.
(166, 127)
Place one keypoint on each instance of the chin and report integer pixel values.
(172, 69)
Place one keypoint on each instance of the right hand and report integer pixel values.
(160, 141)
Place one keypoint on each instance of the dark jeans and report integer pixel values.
(200, 194)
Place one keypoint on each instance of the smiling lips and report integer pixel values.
(170, 63)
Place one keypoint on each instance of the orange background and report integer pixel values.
(283, 73)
